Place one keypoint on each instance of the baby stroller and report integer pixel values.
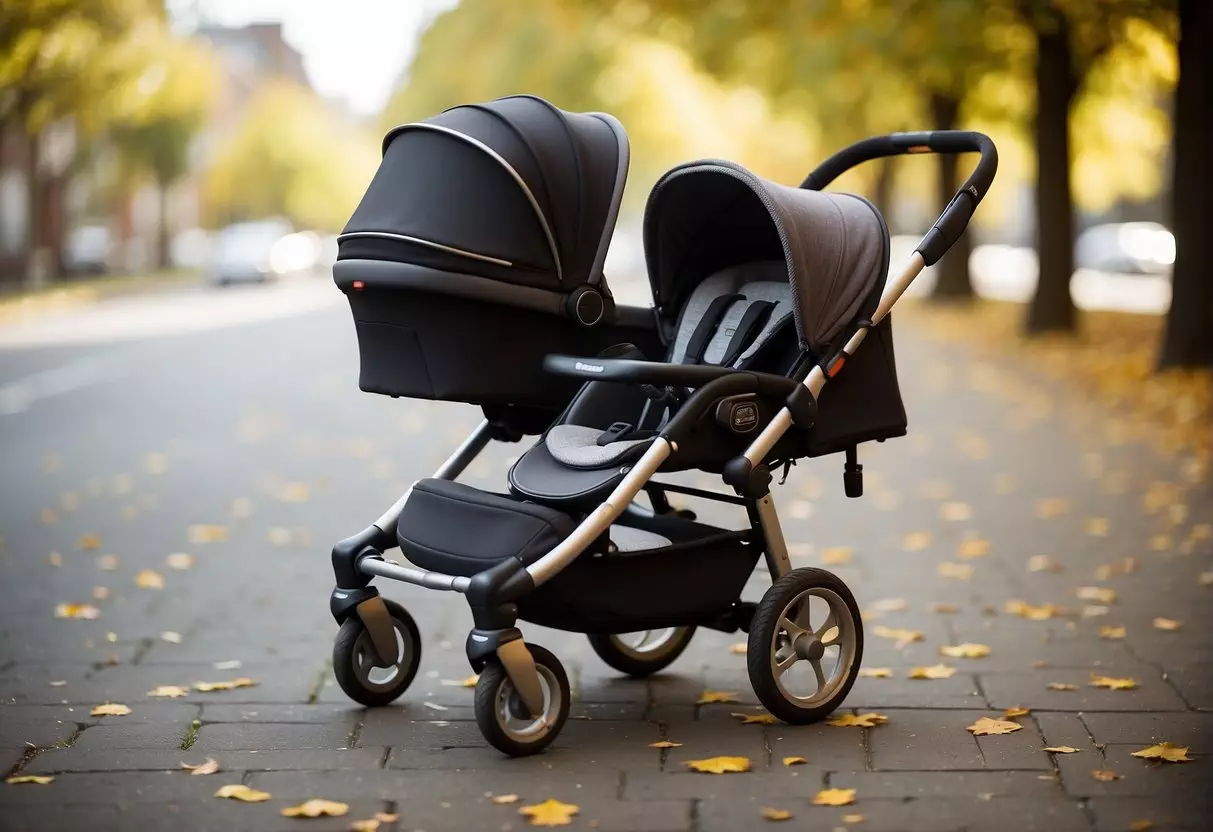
(473, 268)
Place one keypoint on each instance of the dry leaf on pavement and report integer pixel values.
(210, 766)
(1099, 594)
(1097, 526)
(1112, 683)
(1110, 632)
(834, 797)
(110, 709)
(965, 651)
(1166, 752)
(775, 814)
(665, 744)
(756, 719)
(985, 726)
(1030, 612)
(1061, 686)
(955, 571)
(1105, 775)
(974, 547)
(711, 696)
(738, 649)
(868, 720)
(1062, 749)
(916, 541)
(1141, 825)
(719, 765)
(900, 635)
(316, 808)
(207, 687)
(180, 560)
(935, 671)
(1051, 507)
(550, 812)
(836, 555)
(794, 761)
(1015, 712)
(502, 799)
(1043, 563)
(29, 780)
(108, 563)
(876, 672)
(944, 608)
(241, 792)
(207, 533)
(890, 604)
(85, 611)
(149, 579)
(89, 542)
(955, 512)
(170, 691)
(1167, 624)
(852, 818)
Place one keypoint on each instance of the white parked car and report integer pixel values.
(254, 252)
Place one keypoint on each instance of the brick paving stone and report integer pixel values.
(800, 781)
(905, 785)
(399, 728)
(1119, 814)
(1194, 729)
(1022, 750)
(56, 817)
(123, 788)
(901, 743)
(276, 683)
(716, 737)
(1064, 729)
(529, 777)
(147, 735)
(30, 684)
(960, 691)
(148, 759)
(836, 749)
(1138, 776)
(1030, 689)
(1194, 684)
(213, 813)
(310, 714)
(38, 726)
(263, 736)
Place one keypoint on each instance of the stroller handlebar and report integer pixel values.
(955, 217)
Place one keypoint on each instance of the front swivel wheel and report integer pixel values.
(502, 717)
(366, 678)
(805, 645)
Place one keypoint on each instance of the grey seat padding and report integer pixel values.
(767, 280)
(629, 539)
(538, 476)
(577, 447)
(456, 529)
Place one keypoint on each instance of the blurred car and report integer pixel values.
(190, 249)
(1126, 248)
(254, 252)
(88, 250)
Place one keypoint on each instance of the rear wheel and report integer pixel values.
(644, 652)
(503, 719)
(805, 645)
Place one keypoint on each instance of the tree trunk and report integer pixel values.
(953, 269)
(162, 231)
(1188, 341)
(882, 194)
(1052, 308)
(34, 266)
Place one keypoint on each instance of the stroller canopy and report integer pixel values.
(516, 190)
(703, 217)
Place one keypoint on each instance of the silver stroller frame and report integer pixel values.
(360, 558)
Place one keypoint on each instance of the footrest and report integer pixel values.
(456, 529)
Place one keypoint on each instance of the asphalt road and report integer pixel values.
(240, 410)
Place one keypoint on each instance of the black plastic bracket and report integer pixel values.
(752, 481)
(343, 602)
(852, 474)
(347, 552)
(803, 407)
(482, 644)
(493, 593)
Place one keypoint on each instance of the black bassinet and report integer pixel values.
(478, 249)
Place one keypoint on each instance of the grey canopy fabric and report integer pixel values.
(703, 217)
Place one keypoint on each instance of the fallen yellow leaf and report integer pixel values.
(1105, 775)
(1125, 566)
(29, 779)
(1061, 686)
(210, 766)
(935, 671)
(945, 608)
(241, 792)
(550, 812)
(1052, 507)
(1112, 683)
(100, 593)
(834, 797)
(171, 637)
(1015, 711)
(207, 687)
(180, 560)
(776, 814)
(955, 512)
(1062, 749)
(1206, 578)
(974, 547)
(203, 533)
(170, 691)
(868, 720)
(665, 744)
(1108, 631)
(54, 559)
(502, 799)
(955, 571)
(316, 808)
(794, 761)
(1099, 594)
(756, 719)
(719, 765)
(1043, 563)
(149, 579)
(738, 649)
(1033, 613)
(916, 541)
(85, 611)
(965, 651)
(1165, 752)
(1097, 526)
(107, 563)
(89, 542)
(1141, 825)
(110, 709)
(876, 672)
(985, 725)
(712, 696)
(852, 818)
(890, 604)
(836, 555)
(1169, 624)
(900, 635)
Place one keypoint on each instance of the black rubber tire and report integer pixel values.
(343, 658)
(492, 678)
(762, 630)
(637, 668)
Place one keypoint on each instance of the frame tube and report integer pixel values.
(430, 580)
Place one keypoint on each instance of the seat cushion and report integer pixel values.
(456, 529)
(577, 447)
(538, 476)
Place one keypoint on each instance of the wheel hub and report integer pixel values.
(809, 647)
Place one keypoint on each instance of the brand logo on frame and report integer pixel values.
(590, 368)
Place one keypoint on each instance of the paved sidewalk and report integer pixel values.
(1008, 489)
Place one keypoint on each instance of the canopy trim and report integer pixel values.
(500, 160)
(621, 178)
(388, 235)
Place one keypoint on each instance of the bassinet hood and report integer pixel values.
(516, 190)
(706, 216)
